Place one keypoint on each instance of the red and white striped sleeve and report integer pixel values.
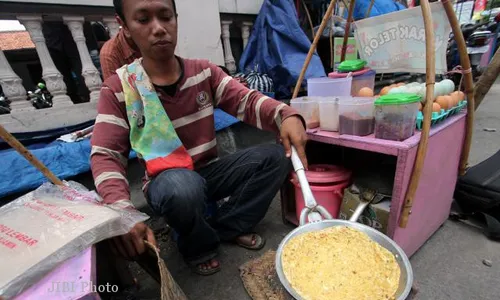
(110, 148)
(247, 105)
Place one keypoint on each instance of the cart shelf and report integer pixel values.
(370, 143)
(434, 195)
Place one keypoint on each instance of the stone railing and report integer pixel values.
(25, 118)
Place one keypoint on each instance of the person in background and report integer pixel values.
(116, 52)
(161, 106)
(64, 53)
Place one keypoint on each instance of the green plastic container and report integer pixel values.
(395, 116)
(351, 65)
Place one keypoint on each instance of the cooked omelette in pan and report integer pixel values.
(340, 263)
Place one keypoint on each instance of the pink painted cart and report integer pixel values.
(434, 194)
(427, 163)
(74, 279)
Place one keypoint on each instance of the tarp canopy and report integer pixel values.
(278, 47)
(380, 7)
(65, 160)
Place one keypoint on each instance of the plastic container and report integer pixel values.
(328, 87)
(395, 116)
(327, 184)
(308, 108)
(360, 79)
(329, 112)
(356, 116)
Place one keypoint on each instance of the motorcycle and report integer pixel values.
(41, 97)
(477, 39)
(4, 105)
(477, 46)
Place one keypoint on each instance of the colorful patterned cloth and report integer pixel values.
(152, 134)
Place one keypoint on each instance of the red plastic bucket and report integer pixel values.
(327, 184)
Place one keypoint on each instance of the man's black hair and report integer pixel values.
(118, 4)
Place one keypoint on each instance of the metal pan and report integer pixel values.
(313, 211)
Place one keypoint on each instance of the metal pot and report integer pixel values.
(405, 280)
(406, 277)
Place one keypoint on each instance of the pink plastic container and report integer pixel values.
(327, 185)
(360, 79)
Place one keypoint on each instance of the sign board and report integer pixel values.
(351, 52)
(479, 7)
(395, 42)
(463, 10)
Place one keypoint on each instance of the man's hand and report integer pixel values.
(293, 133)
(131, 245)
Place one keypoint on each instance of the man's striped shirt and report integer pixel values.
(203, 87)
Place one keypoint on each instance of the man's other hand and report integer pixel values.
(131, 245)
(293, 133)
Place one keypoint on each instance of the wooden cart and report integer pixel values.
(428, 163)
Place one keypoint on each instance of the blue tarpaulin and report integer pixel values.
(65, 160)
(278, 47)
(380, 7)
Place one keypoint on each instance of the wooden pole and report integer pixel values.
(469, 84)
(151, 262)
(16, 145)
(486, 80)
(347, 29)
(430, 66)
(312, 49)
(308, 17)
(369, 10)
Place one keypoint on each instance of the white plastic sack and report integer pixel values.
(50, 225)
(395, 42)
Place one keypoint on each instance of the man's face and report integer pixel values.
(152, 25)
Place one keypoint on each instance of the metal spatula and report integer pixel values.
(312, 212)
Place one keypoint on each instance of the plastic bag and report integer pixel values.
(44, 228)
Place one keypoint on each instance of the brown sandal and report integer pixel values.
(198, 268)
(260, 242)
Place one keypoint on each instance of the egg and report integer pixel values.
(413, 89)
(448, 86)
(443, 102)
(449, 99)
(365, 92)
(422, 91)
(385, 90)
(436, 107)
(455, 98)
(439, 90)
(395, 90)
(462, 95)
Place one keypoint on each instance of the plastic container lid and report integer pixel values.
(354, 73)
(326, 174)
(351, 65)
(397, 99)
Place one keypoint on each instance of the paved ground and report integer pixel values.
(448, 266)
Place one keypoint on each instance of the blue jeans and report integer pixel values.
(251, 178)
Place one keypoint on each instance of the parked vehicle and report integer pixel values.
(41, 97)
(4, 105)
(477, 46)
(477, 38)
